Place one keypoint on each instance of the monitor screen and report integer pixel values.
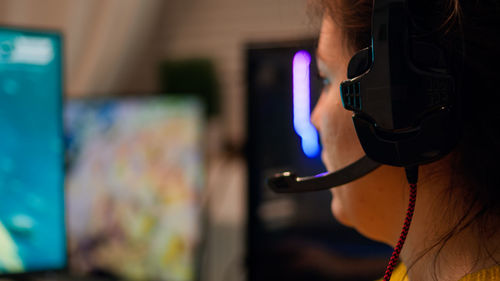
(134, 179)
(32, 228)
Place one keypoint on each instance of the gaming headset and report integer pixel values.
(403, 96)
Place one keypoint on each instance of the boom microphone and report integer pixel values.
(288, 182)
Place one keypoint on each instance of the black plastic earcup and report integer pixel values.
(360, 63)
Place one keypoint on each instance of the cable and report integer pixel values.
(412, 174)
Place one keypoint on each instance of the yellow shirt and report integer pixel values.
(488, 274)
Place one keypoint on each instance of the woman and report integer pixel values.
(454, 234)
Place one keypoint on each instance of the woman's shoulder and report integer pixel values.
(399, 273)
(488, 274)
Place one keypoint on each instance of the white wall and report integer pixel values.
(103, 39)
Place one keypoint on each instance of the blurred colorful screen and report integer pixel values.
(32, 228)
(134, 184)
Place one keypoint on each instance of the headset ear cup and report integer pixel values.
(359, 63)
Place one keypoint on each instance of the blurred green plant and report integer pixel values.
(195, 76)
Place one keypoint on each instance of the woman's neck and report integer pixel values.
(438, 249)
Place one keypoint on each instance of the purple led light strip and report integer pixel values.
(302, 104)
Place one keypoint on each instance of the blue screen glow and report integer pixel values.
(32, 228)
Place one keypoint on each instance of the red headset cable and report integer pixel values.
(412, 174)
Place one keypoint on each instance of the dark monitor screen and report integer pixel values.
(32, 225)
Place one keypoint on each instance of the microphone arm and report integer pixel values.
(288, 182)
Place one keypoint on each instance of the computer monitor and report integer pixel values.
(294, 237)
(32, 225)
(133, 186)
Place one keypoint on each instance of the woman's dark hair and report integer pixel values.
(468, 31)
